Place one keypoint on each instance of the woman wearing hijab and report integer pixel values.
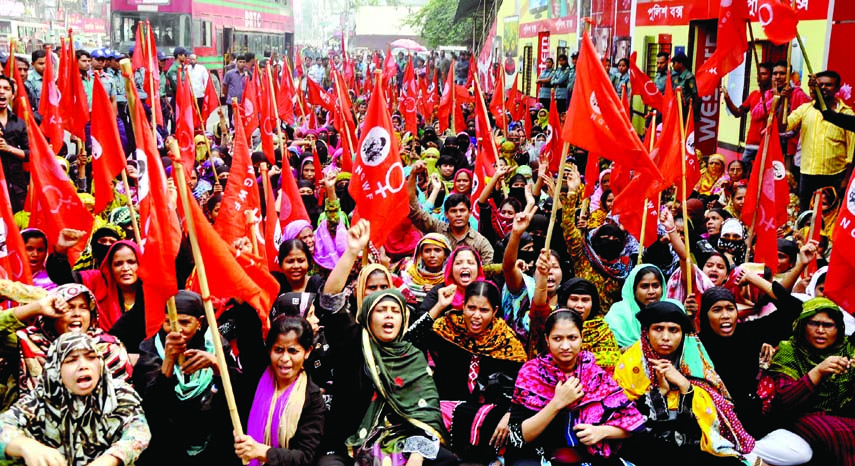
(809, 383)
(295, 268)
(598, 257)
(80, 315)
(731, 242)
(391, 407)
(602, 212)
(36, 248)
(690, 418)
(116, 286)
(565, 406)
(77, 414)
(287, 417)
(463, 181)
(99, 243)
(603, 185)
(426, 270)
(178, 378)
(303, 305)
(644, 286)
(713, 178)
(476, 356)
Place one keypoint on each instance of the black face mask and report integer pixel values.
(99, 252)
(608, 249)
(518, 194)
(310, 201)
(529, 257)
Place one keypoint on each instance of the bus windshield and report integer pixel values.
(170, 29)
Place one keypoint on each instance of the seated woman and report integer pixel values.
(690, 419)
(287, 417)
(643, 287)
(391, 407)
(809, 383)
(476, 357)
(462, 268)
(565, 406)
(178, 378)
(79, 314)
(425, 271)
(77, 414)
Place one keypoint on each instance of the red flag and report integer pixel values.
(839, 285)
(693, 169)
(769, 211)
(241, 193)
(516, 102)
(14, 262)
(268, 117)
(444, 113)
(730, 48)
(291, 207)
(49, 106)
(285, 98)
(272, 228)
(108, 157)
(211, 102)
(250, 104)
(378, 183)
(298, 65)
(410, 91)
(554, 143)
(779, 21)
(152, 74)
(74, 104)
(231, 273)
(497, 105)
(390, 67)
(159, 226)
(487, 153)
(596, 121)
(53, 198)
(184, 111)
(624, 100)
(318, 96)
(12, 70)
(345, 125)
(644, 86)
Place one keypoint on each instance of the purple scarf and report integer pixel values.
(261, 408)
(328, 250)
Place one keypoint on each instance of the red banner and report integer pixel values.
(706, 131)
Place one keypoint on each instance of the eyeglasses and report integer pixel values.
(815, 324)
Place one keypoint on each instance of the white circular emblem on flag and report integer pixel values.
(690, 143)
(594, 105)
(726, 3)
(850, 199)
(375, 147)
(96, 149)
(779, 170)
(3, 234)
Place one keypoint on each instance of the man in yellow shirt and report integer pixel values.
(826, 148)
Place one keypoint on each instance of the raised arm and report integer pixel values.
(513, 274)
(491, 185)
(357, 240)
(807, 254)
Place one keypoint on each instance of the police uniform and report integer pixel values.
(686, 81)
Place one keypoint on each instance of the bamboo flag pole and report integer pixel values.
(756, 61)
(770, 120)
(646, 201)
(206, 295)
(810, 71)
(814, 221)
(556, 194)
(789, 65)
(689, 270)
(125, 65)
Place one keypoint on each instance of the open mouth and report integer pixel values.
(388, 327)
(465, 275)
(75, 325)
(85, 381)
(726, 327)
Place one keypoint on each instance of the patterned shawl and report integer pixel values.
(498, 341)
(82, 428)
(796, 357)
(603, 402)
(598, 338)
(416, 277)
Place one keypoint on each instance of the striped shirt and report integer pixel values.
(826, 148)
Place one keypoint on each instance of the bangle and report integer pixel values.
(672, 230)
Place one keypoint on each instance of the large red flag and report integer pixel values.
(298, 65)
(250, 104)
(49, 106)
(839, 285)
(152, 72)
(779, 21)
(487, 153)
(390, 66)
(291, 207)
(345, 125)
(268, 117)
(497, 104)
(53, 198)
(272, 228)
(14, 262)
(211, 102)
(241, 193)
(516, 104)
(693, 169)
(410, 93)
(444, 113)
(74, 104)
(730, 48)
(108, 157)
(12, 70)
(596, 119)
(318, 96)
(233, 274)
(769, 211)
(644, 86)
(159, 226)
(184, 111)
(285, 98)
(378, 183)
(554, 143)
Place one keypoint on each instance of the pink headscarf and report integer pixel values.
(457, 302)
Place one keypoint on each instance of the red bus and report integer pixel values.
(209, 28)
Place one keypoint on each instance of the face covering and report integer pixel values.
(310, 201)
(735, 247)
(608, 249)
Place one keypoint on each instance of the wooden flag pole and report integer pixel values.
(789, 65)
(770, 120)
(125, 64)
(556, 194)
(689, 270)
(653, 126)
(810, 71)
(279, 133)
(206, 295)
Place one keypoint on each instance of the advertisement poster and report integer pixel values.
(511, 36)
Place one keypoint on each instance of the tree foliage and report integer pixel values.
(436, 23)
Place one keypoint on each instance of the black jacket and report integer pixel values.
(307, 438)
(15, 134)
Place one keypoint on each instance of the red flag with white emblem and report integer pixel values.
(184, 111)
(644, 86)
(378, 184)
(267, 124)
(108, 157)
(250, 104)
(410, 92)
(839, 285)
(318, 96)
(779, 21)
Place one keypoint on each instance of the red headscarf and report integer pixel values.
(104, 287)
(457, 303)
